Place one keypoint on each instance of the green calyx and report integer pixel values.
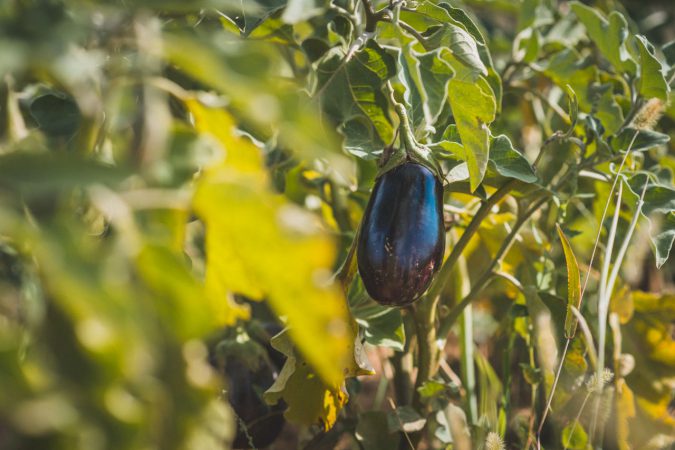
(409, 151)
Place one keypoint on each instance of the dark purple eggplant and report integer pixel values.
(402, 235)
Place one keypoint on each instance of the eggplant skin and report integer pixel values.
(402, 236)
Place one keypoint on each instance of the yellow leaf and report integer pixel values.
(262, 246)
(311, 401)
(573, 285)
(625, 410)
(240, 153)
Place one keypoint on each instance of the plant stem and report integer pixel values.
(463, 286)
(441, 279)
(603, 302)
(371, 18)
(427, 349)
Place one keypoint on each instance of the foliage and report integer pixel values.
(169, 169)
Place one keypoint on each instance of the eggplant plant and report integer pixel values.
(458, 215)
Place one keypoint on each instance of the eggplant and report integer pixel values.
(402, 236)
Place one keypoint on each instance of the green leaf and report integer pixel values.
(431, 388)
(462, 46)
(567, 67)
(40, 173)
(651, 82)
(545, 341)
(606, 108)
(299, 10)
(509, 162)
(474, 108)
(435, 73)
(669, 52)
(354, 89)
(573, 285)
(425, 76)
(56, 114)
(415, 93)
(310, 401)
(574, 436)
(659, 203)
(382, 326)
(645, 140)
(609, 34)
(461, 18)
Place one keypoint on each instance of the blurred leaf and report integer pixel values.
(310, 400)
(299, 10)
(574, 436)
(609, 34)
(453, 419)
(607, 110)
(431, 388)
(406, 419)
(383, 326)
(573, 285)
(259, 245)
(625, 412)
(645, 140)
(56, 115)
(659, 208)
(258, 93)
(544, 334)
(652, 82)
(567, 67)
(473, 108)
(40, 173)
(182, 296)
(372, 431)
(509, 162)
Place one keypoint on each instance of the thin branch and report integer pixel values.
(490, 273)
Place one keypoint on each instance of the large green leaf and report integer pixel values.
(652, 82)
(463, 48)
(474, 108)
(351, 89)
(426, 77)
(509, 162)
(609, 34)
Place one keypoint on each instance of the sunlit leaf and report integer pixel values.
(573, 285)
(461, 45)
(652, 82)
(259, 245)
(474, 109)
(310, 400)
(574, 436)
(609, 34)
(509, 162)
